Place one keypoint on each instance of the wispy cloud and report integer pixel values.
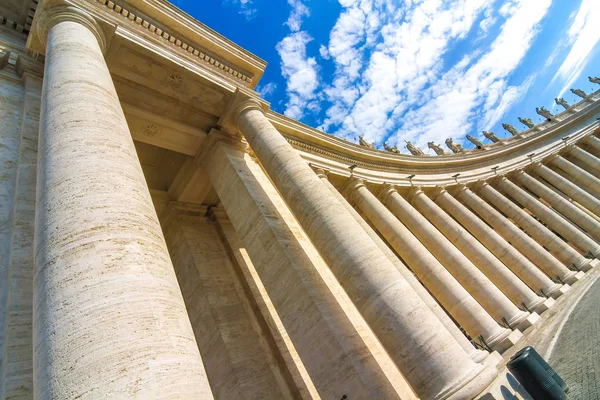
(583, 36)
(299, 11)
(267, 90)
(246, 8)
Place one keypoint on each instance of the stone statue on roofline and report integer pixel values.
(579, 92)
(475, 141)
(436, 147)
(544, 113)
(594, 79)
(562, 102)
(366, 144)
(414, 150)
(527, 122)
(456, 148)
(390, 149)
(510, 129)
(491, 136)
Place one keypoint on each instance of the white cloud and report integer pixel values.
(583, 36)
(267, 90)
(301, 73)
(324, 52)
(246, 8)
(299, 11)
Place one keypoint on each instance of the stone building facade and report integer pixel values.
(164, 234)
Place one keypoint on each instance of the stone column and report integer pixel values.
(496, 272)
(567, 254)
(515, 236)
(567, 187)
(510, 256)
(109, 318)
(587, 159)
(593, 142)
(455, 298)
(586, 180)
(424, 354)
(560, 204)
(432, 304)
(533, 228)
(470, 277)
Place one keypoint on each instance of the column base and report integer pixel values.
(545, 306)
(521, 321)
(591, 264)
(507, 342)
(528, 322)
(580, 275)
(474, 385)
(594, 263)
(556, 290)
(571, 277)
(493, 359)
(478, 355)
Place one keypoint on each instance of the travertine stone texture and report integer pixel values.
(16, 375)
(238, 359)
(11, 107)
(562, 250)
(551, 218)
(455, 298)
(498, 273)
(593, 142)
(335, 355)
(109, 317)
(589, 161)
(477, 284)
(586, 180)
(432, 304)
(531, 226)
(560, 204)
(579, 195)
(510, 256)
(424, 354)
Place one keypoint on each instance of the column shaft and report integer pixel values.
(574, 213)
(515, 236)
(432, 304)
(569, 188)
(470, 277)
(426, 357)
(593, 142)
(109, 318)
(555, 221)
(534, 229)
(511, 257)
(588, 181)
(497, 272)
(455, 298)
(587, 159)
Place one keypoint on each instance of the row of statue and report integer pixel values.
(457, 148)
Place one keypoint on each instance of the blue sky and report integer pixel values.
(419, 70)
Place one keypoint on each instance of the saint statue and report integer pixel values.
(544, 113)
(475, 141)
(390, 149)
(579, 92)
(491, 136)
(594, 79)
(562, 102)
(527, 122)
(414, 150)
(436, 147)
(366, 144)
(456, 148)
(511, 129)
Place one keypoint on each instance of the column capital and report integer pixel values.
(477, 186)
(321, 173)
(535, 166)
(516, 173)
(352, 186)
(439, 190)
(385, 191)
(52, 16)
(242, 101)
(413, 193)
(552, 157)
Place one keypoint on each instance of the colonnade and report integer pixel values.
(490, 256)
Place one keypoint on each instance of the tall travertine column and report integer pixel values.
(536, 230)
(453, 297)
(588, 181)
(479, 255)
(423, 350)
(432, 304)
(510, 256)
(519, 239)
(593, 142)
(470, 277)
(587, 159)
(579, 195)
(109, 318)
(567, 254)
(560, 204)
